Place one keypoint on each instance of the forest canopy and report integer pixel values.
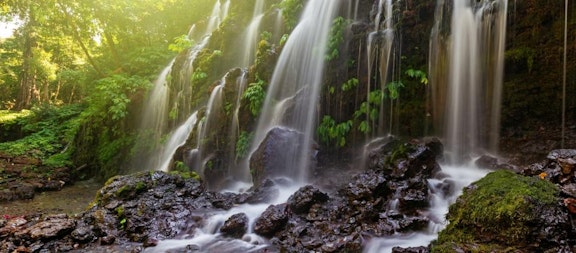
(63, 47)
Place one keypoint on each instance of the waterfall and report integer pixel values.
(239, 174)
(213, 108)
(177, 139)
(250, 40)
(379, 49)
(471, 96)
(155, 116)
(296, 84)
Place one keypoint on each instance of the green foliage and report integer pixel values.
(336, 37)
(243, 144)
(255, 95)
(290, 11)
(199, 75)
(180, 44)
(369, 111)
(331, 133)
(49, 131)
(520, 54)
(418, 74)
(113, 95)
(501, 206)
(180, 169)
(284, 39)
(393, 89)
(350, 84)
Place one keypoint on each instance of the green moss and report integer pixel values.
(124, 191)
(140, 186)
(497, 208)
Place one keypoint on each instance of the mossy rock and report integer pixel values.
(503, 212)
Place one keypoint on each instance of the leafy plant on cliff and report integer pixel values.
(336, 37)
(255, 96)
(180, 44)
(350, 84)
(368, 111)
(520, 54)
(331, 133)
(243, 144)
(290, 11)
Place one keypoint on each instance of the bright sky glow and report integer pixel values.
(7, 29)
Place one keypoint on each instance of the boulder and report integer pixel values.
(301, 201)
(505, 209)
(235, 226)
(51, 227)
(272, 220)
(276, 155)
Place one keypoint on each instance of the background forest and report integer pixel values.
(73, 65)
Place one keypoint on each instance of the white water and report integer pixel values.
(379, 49)
(250, 41)
(459, 177)
(209, 239)
(157, 106)
(177, 139)
(236, 172)
(251, 34)
(474, 76)
(214, 105)
(298, 77)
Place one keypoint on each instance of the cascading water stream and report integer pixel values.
(177, 139)
(157, 106)
(214, 105)
(299, 69)
(475, 45)
(251, 34)
(473, 100)
(241, 175)
(297, 81)
(379, 48)
(250, 40)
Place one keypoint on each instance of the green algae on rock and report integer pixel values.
(506, 212)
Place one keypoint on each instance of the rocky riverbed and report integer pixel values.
(138, 212)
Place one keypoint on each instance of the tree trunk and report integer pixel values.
(26, 77)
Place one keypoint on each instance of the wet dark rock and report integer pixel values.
(274, 155)
(569, 190)
(107, 240)
(420, 249)
(414, 196)
(83, 234)
(413, 223)
(487, 162)
(16, 192)
(509, 209)
(272, 220)
(435, 146)
(266, 192)
(561, 154)
(50, 228)
(150, 242)
(301, 201)
(235, 226)
(365, 186)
